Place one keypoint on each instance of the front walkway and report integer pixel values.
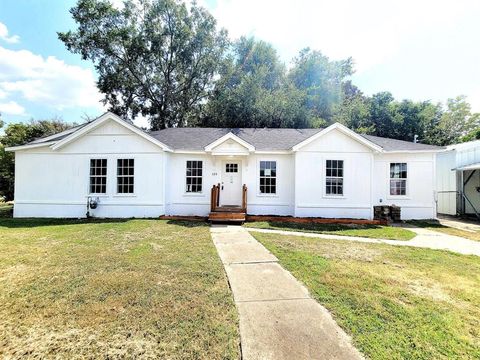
(425, 239)
(278, 318)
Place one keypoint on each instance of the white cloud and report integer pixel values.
(12, 108)
(4, 35)
(47, 81)
(371, 31)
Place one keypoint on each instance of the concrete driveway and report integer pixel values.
(278, 318)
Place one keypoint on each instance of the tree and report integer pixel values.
(322, 80)
(457, 121)
(253, 90)
(354, 110)
(18, 134)
(157, 58)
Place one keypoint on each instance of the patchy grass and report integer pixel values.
(436, 226)
(113, 289)
(368, 231)
(396, 302)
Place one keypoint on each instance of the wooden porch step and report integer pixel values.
(226, 208)
(219, 216)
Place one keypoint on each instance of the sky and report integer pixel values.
(420, 50)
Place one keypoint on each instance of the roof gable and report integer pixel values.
(230, 138)
(101, 120)
(344, 130)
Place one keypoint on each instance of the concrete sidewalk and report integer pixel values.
(425, 239)
(278, 318)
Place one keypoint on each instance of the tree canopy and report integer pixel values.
(169, 62)
(155, 58)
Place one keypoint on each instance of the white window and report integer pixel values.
(98, 176)
(125, 176)
(398, 179)
(194, 176)
(268, 177)
(334, 177)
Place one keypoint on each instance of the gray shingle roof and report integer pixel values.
(399, 145)
(261, 139)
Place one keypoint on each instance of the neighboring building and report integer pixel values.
(458, 179)
(332, 172)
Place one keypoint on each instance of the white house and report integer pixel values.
(458, 179)
(332, 172)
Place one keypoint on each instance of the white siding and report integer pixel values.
(56, 183)
(311, 200)
(419, 203)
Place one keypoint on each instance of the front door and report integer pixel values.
(231, 187)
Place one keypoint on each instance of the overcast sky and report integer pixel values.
(422, 50)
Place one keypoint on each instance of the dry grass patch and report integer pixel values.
(396, 302)
(436, 226)
(113, 289)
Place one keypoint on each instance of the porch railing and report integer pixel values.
(215, 197)
(244, 198)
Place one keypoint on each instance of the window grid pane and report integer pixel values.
(268, 177)
(98, 176)
(125, 176)
(194, 179)
(398, 179)
(231, 168)
(334, 177)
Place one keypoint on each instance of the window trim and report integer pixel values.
(257, 175)
(407, 182)
(89, 177)
(324, 177)
(132, 194)
(191, 193)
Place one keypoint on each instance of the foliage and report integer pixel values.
(169, 62)
(253, 91)
(19, 134)
(157, 58)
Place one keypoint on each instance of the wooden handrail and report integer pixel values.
(215, 197)
(244, 198)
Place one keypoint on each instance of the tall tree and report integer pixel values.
(322, 80)
(18, 134)
(253, 90)
(158, 58)
(457, 121)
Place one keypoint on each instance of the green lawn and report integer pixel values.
(113, 289)
(396, 302)
(436, 226)
(369, 231)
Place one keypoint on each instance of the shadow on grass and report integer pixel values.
(426, 223)
(318, 226)
(39, 222)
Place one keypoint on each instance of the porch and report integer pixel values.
(224, 212)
